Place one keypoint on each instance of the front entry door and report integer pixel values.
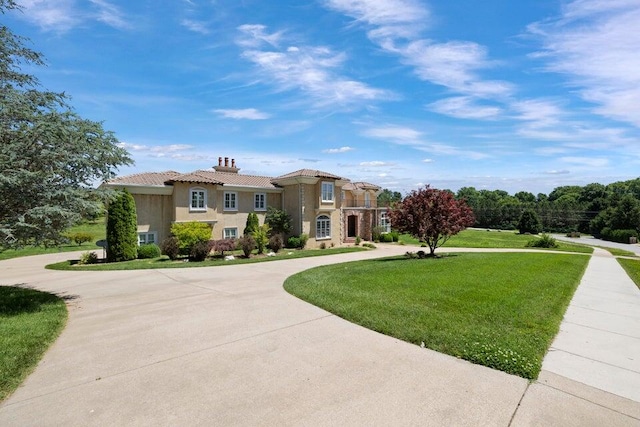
(352, 226)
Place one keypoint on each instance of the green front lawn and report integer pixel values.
(29, 322)
(164, 262)
(95, 228)
(496, 239)
(632, 267)
(500, 310)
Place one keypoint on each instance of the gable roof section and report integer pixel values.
(360, 185)
(146, 178)
(311, 173)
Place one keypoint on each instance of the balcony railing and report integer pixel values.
(357, 204)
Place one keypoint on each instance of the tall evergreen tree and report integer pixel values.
(122, 228)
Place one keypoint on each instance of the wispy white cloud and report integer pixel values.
(315, 70)
(110, 14)
(427, 160)
(254, 35)
(557, 172)
(170, 148)
(64, 15)
(390, 18)
(465, 107)
(376, 164)
(51, 15)
(245, 113)
(596, 44)
(591, 162)
(406, 136)
(195, 26)
(338, 150)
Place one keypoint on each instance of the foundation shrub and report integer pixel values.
(247, 244)
(545, 241)
(170, 248)
(199, 251)
(276, 243)
(224, 245)
(88, 258)
(149, 251)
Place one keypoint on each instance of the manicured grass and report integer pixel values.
(164, 262)
(500, 310)
(618, 252)
(95, 228)
(29, 322)
(496, 239)
(632, 267)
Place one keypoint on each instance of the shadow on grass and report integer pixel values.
(406, 258)
(19, 299)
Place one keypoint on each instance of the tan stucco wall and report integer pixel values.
(155, 213)
(238, 219)
(182, 203)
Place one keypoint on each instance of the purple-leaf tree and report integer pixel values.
(431, 216)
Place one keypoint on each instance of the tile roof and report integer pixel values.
(310, 173)
(224, 178)
(146, 178)
(360, 185)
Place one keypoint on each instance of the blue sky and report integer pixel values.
(500, 94)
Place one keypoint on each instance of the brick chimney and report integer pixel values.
(226, 168)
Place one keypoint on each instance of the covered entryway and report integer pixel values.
(352, 226)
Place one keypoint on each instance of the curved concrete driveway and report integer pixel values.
(228, 346)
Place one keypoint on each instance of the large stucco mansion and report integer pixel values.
(330, 209)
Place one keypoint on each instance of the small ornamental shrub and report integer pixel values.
(247, 244)
(275, 243)
(323, 245)
(81, 237)
(190, 233)
(395, 236)
(358, 240)
(545, 241)
(386, 238)
(261, 236)
(293, 242)
(88, 258)
(199, 252)
(376, 233)
(170, 248)
(224, 245)
(369, 245)
(148, 251)
(303, 240)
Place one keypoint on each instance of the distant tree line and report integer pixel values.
(610, 211)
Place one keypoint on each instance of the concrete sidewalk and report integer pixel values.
(228, 346)
(599, 340)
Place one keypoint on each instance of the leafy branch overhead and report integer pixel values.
(50, 157)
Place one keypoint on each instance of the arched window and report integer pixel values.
(323, 227)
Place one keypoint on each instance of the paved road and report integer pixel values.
(592, 241)
(228, 346)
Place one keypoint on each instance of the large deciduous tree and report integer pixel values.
(49, 156)
(431, 215)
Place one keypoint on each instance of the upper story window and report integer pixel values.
(230, 201)
(260, 201)
(327, 191)
(198, 199)
(367, 200)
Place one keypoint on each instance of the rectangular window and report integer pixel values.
(260, 201)
(230, 201)
(327, 191)
(385, 224)
(198, 200)
(147, 238)
(367, 200)
(230, 233)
